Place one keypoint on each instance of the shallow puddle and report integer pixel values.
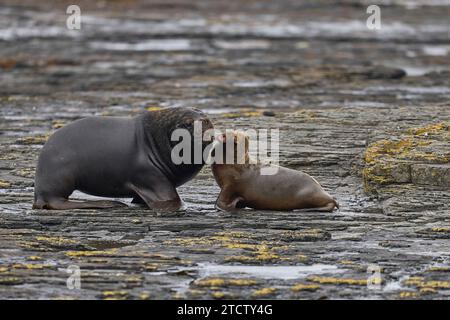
(266, 272)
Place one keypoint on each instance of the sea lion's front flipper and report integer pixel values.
(228, 201)
(164, 197)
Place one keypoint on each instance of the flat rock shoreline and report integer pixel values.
(365, 112)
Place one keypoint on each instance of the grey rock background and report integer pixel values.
(328, 83)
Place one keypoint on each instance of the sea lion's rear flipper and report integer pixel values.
(65, 204)
(164, 197)
(326, 204)
(227, 201)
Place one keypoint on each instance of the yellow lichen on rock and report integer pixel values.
(235, 245)
(305, 287)
(254, 252)
(38, 139)
(265, 253)
(4, 184)
(56, 124)
(436, 284)
(221, 282)
(115, 295)
(303, 113)
(420, 282)
(438, 229)
(30, 266)
(76, 254)
(11, 280)
(382, 148)
(153, 108)
(242, 113)
(425, 291)
(241, 282)
(56, 241)
(414, 281)
(390, 160)
(25, 172)
(439, 269)
(195, 293)
(34, 258)
(150, 266)
(264, 292)
(430, 129)
(221, 295)
(338, 281)
(408, 295)
(301, 257)
(240, 258)
(210, 282)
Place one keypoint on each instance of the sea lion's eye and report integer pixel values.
(188, 122)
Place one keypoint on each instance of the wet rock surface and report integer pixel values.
(311, 69)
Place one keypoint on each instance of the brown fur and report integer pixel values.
(242, 185)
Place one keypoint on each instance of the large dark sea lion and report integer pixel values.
(243, 184)
(117, 157)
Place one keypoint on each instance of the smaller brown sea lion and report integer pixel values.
(243, 185)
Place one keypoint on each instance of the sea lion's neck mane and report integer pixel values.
(155, 144)
(156, 130)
